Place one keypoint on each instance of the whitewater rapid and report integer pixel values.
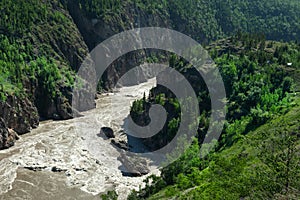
(69, 159)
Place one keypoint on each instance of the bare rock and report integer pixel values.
(135, 166)
(120, 144)
(108, 132)
(19, 114)
(7, 138)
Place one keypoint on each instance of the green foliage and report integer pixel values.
(257, 85)
(248, 156)
(6, 88)
(18, 66)
(259, 91)
(173, 127)
(256, 16)
(218, 18)
(111, 195)
(50, 76)
(100, 8)
(160, 99)
(280, 157)
(205, 20)
(262, 165)
(18, 16)
(138, 106)
(26, 55)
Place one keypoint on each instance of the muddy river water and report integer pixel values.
(67, 160)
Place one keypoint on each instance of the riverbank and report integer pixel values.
(69, 157)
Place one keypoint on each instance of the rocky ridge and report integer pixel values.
(81, 33)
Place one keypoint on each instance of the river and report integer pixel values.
(67, 160)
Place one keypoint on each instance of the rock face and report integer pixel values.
(19, 114)
(70, 50)
(7, 138)
(72, 148)
(96, 30)
(82, 33)
(135, 166)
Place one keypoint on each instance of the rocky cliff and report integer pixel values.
(66, 34)
(45, 42)
(7, 138)
(18, 116)
(95, 29)
(55, 36)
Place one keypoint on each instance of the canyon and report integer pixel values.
(70, 156)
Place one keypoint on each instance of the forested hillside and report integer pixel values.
(206, 20)
(32, 31)
(40, 50)
(255, 44)
(23, 25)
(258, 153)
(263, 164)
(37, 51)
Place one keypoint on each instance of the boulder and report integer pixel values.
(135, 166)
(108, 132)
(120, 144)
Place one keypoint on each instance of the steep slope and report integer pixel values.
(40, 48)
(204, 20)
(44, 42)
(257, 156)
(262, 165)
(201, 19)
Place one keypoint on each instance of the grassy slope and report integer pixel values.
(235, 172)
(253, 166)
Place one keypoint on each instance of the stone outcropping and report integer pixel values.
(7, 138)
(96, 30)
(19, 114)
(82, 33)
(135, 166)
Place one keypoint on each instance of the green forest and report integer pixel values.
(255, 45)
(23, 41)
(210, 20)
(259, 146)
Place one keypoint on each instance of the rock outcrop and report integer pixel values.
(135, 166)
(96, 30)
(68, 40)
(121, 144)
(19, 114)
(7, 138)
(70, 51)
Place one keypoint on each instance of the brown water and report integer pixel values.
(87, 163)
